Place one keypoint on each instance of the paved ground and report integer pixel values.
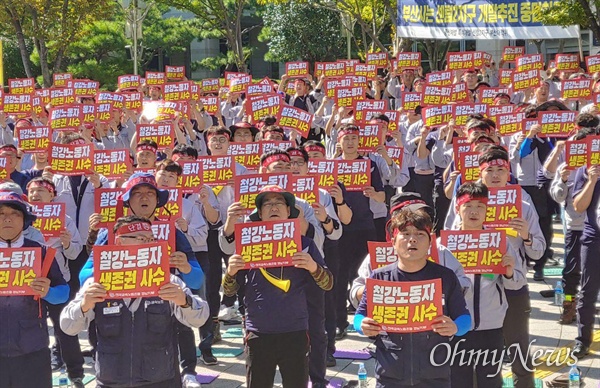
(548, 335)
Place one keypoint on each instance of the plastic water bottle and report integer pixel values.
(63, 381)
(574, 379)
(362, 376)
(559, 294)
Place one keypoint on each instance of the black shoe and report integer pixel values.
(207, 357)
(538, 275)
(88, 353)
(77, 382)
(341, 333)
(331, 361)
(547, 293)
(56, 365)
(580, 350)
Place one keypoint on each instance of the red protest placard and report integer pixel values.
(325, 169)
(529, 62)
(354, 174)
(330, 69)
(129, 81)
(65, 118)
(407, 61)
(592, 63)
(296, 69)
(478, 251)
(44, 94)
(410, 100)
(132, 271)
(381, 254)
(504, 204)
(175, 73)
(211, 104)
(19, 105)
(18, 267)
(392, 115)
(357, 80)
(436, 95)
(380, 60)
(3, 170)
(305, 187)
(155, 78)
(556, 124)
(173, 209)
(593, 157)
(106, 204)
(497, 110)
(162, 134)
(461, 112)
(178, 91)
(404, 307)
(37, 105)
(210, 85)
(434, 116)
(362, 105)
(481, 58)
(259, 89)
(21, 85)
(269, 145)
(112, 163)
(267, 244)
(461, 61)
(439, 78)
(469, 166)
(487, 95)
(103, 112)
(460, 145)
(133, 101)
(345, 96)
(576, 153)
(71, 159)
(567, 62)
(63, 96)
(368, 71)
(239, 84)
(510, 53)
(85, 87)
(217, 170)
(50, 218)
(246, 154)
(60, 79)
(369, 137)
(522, 80)
(505, 76)
(89, 113)
(330, 85)
(396, 154)
(509, 124)
(576, 89)
(165, 231)
(33, 139)
(262, 106)
(229, 75)
(116, 100)
(190, 180)
(248, 186)
(459, 93)
(290, 117)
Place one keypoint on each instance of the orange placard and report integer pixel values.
(404, 307)
(504, 204)
(259, 89)
(354, 174)
(132, 271)
(505, 76)
(133, 101)
(410, 100)
(330, 69)
(478, 251)
(567, 62)
(18, 267)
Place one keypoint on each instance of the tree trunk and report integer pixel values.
(21, 41)
(593, 20)
(40, 46)
(561, 46)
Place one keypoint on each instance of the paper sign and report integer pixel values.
(33, 139)
(509, 124)
(217, 170)
(380, 60)
(129, 81)
(497, 110)
(593, 158)
(175, 73)
(396, 154)
(576, 89)
(116, 100)
(292, 118)
(106, 204)
(381, 254)
(19, 105)
(190, 180)
(478, 251)
(60, 79)
(155, 78)
(132, 271)
(530, 62)
(325, 169)
(103, 112)
(410, 100)
(178, 91)
(360, 106)
(510, 53)
(18, 267)
(487, 95)
(305, 187)
(229, 75)
(50, 218)
(239, 84)
(21, 86)
(165, 231)
(246, 154)
(576, 153)
(407, 61)
(522, 80)
(173, 209)
(248, 186)
(504, 204)
(85, 88)
(439, 78)
(211, 104)
(112, 164)
(459, 93)
(345, 96)
(392, 115)
(133, 101)
(329, 69)
(556, 124)
(369, 137)
(354, 174)
(330, 85)
(367, 71)
(163, 134)
(461, 112)
(567, 62)
(460, 61)
(404, 307)
(210, 85)
(505, 76)
(296, 69)
(262, 106)
(71, 159)
(469, 166)
(592, 63)
(268, 244)
(65, 118)
(436, 95)
(259, 90)
(435, 116)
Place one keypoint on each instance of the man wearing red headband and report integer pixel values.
(145, 153)
(305, 99)
(488, 306)
(395, 88)
(145, 345)
(11, 154)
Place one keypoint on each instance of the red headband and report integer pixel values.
(141, 180)
(495, 162)
(77, 142)
(43, 184)
(275, 158)
(468, 198)
(348, 131)
(146, 147)
(406, 203)
(314, 148)
(296, 153)
(133, 227)
(175, 157)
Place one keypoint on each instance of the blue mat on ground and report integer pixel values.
(86, 379)
(233, 332)
(508, 383)
(221, 352)
(206, 378)
(553, 271)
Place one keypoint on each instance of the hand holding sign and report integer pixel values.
(521, 226)
(370, 327)
(41, 286)
(444, 326)
(305, 261)
(173, 293)
(508, 262)
(236, 264)
(95, 293)
(179, 260)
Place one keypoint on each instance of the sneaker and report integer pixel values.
(580, 350)
(538, 275)
(56, 365)
(190, 381)
(207, 357)
(227, 313)
(77, 382)
(331, 361)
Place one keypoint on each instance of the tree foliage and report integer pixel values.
(585, 13)
(291, 38)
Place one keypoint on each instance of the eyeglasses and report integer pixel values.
(220, 140)
(141, 239)
(269, 205)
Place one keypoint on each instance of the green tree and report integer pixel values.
(290, 36)
(564, 13)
